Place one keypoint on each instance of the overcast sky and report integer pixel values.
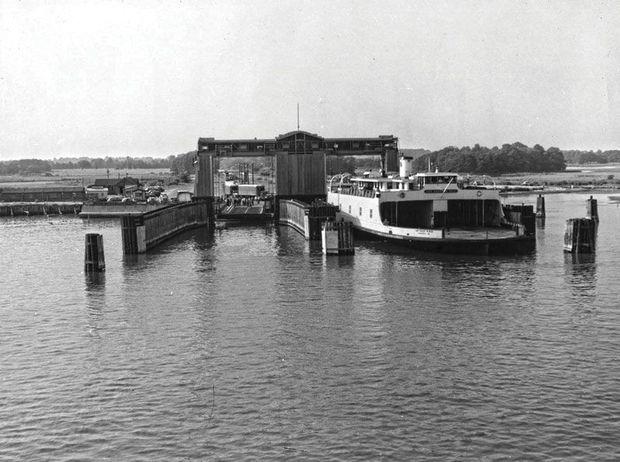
(147, 78)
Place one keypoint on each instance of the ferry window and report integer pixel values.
(349, 209)
(370, 213)
(360, 211)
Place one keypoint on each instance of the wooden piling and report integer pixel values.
(540, 206)
(337, 238)
(94, 260)
(319, 212)
(522, 215)
(580, 235)
(133, 234)
(592, 209)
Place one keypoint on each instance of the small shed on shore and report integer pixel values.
(118, 186)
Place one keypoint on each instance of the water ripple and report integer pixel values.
(249, 344)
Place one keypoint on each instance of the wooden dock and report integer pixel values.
(145, 231)
(307, 219)
(115, 210)
(244, 213)
(13, 209)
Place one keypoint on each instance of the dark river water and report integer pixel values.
(248, 344)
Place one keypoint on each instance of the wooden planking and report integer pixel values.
(580, 235)
(94, 260)
(293, 213)
(522, 214)
(337, 238)
(300, 174)
(392, 163)
(295, 174)
(142, 232)
(204, 176)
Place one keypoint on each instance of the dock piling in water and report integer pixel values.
(522, 215)
(94, 260)
(540, 206)
(592, 209)
(337, 238)
(580, 235)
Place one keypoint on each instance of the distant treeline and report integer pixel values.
(25, 167)
(182, 163)
(591, 157)
(510, 158)
(113, 162)
(37, 166)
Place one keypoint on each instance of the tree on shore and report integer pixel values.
(510, 158)
(591, 157)
(25, 167)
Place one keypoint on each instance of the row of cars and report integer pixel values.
(151, 195)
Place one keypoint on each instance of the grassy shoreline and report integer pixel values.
(582, 178)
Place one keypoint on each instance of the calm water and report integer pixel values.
(248, 344)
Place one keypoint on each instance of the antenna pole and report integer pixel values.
(297, 116)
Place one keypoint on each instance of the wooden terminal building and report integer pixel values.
(299, 159)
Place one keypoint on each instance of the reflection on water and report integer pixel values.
(135, 260)
(95, 282)
(247, 343)
(580, 269)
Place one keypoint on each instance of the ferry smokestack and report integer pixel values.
(406, 167)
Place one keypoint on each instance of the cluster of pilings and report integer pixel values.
(580, 233)
(337, 238)
(318, 221)
(522, 215)
(319, 212)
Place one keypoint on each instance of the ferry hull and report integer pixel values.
(507, 246)
(431, 212)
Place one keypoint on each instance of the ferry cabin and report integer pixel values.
(428, 202)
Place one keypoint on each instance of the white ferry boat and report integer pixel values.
(431, 211)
